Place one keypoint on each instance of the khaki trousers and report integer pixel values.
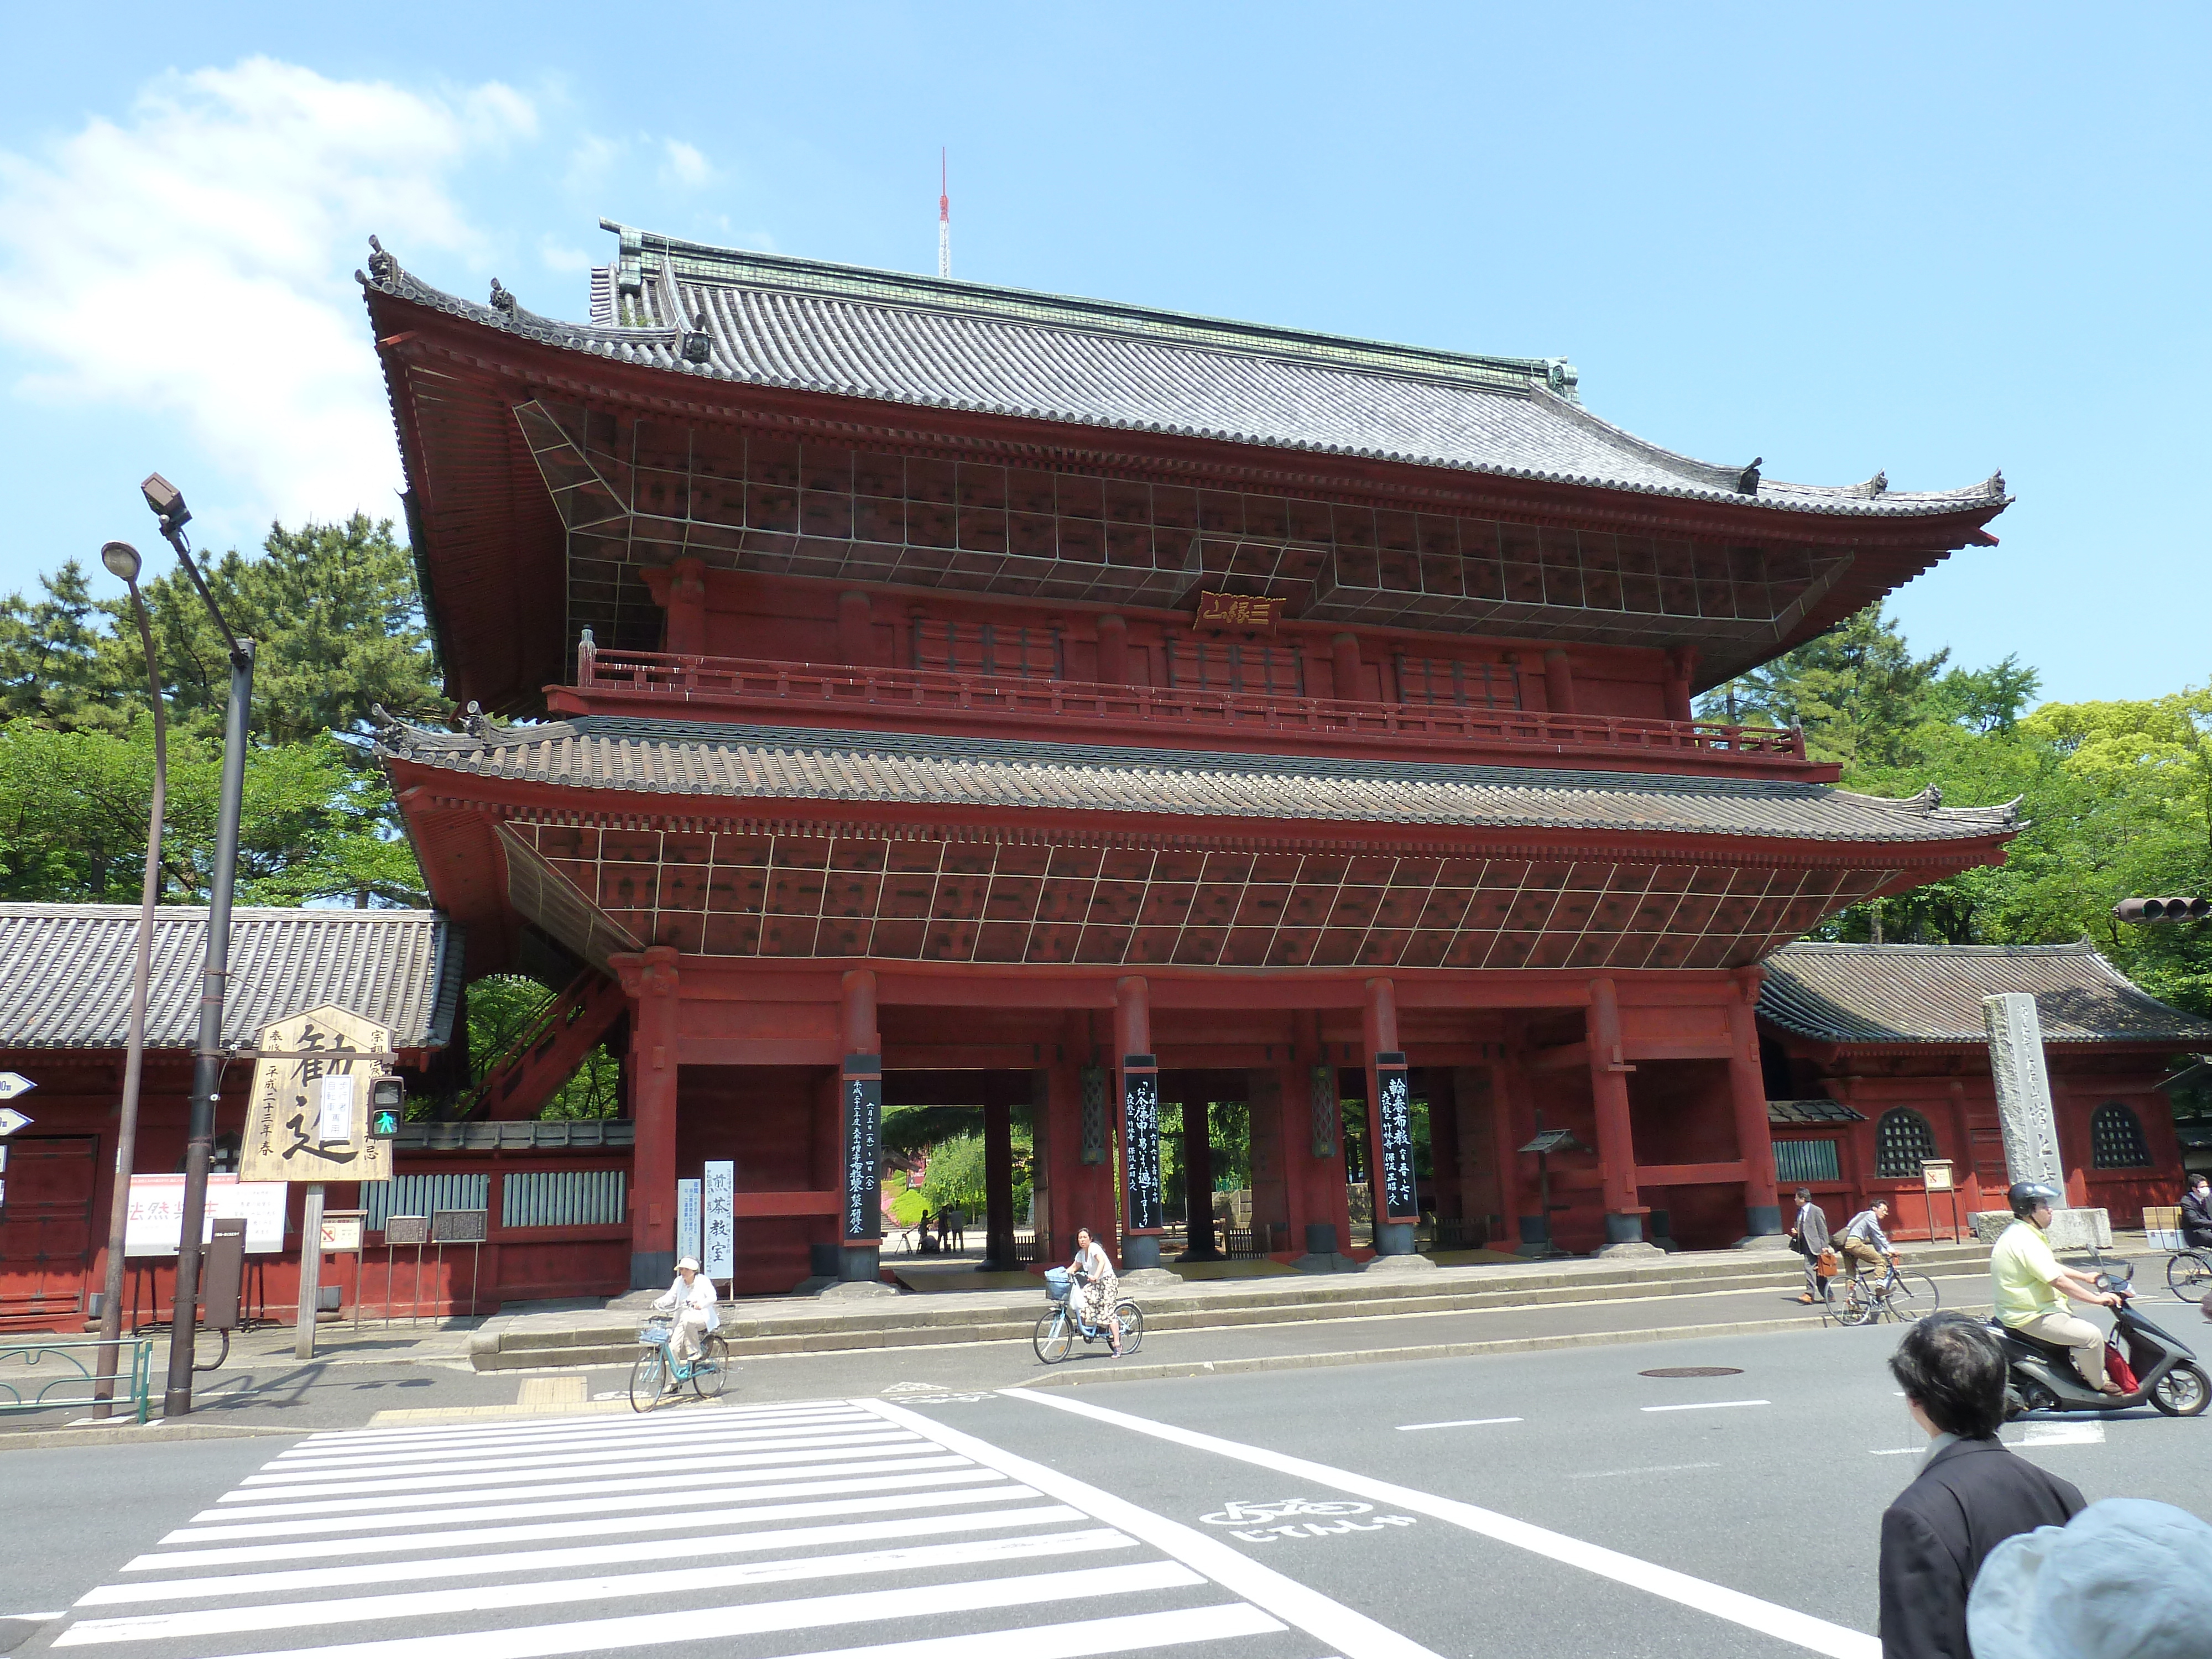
(2079, 1334)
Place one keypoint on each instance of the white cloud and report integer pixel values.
(686, 166)
(558, 256)
(195, 260)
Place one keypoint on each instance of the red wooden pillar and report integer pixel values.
(1113, 651)
(1137, 1070)
(1390, 1160)
(650, 979)
(1754, 1136)
(686, 630)
(998, 1090)
(1558, 683)
(856, 633)
(1344, 667)
(1682, 667)
(1516, 1209)
(1616, 1141)
(859, 1128)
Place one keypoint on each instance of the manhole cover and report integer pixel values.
(1695, 1370)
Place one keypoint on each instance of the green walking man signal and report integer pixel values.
(388, 1105)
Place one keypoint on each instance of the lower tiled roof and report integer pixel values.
(1900, 993)
(66, 973)
(748, 764)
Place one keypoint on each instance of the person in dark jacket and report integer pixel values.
(2196, 1214)
(1972, 1494)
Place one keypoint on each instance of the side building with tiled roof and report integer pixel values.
(1877, 1061)
(934, 692)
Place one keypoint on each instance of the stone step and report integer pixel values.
(910, 1322)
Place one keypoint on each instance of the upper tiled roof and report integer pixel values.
(66, 972)
(1894, 994)
(764, 764)
(766, 319)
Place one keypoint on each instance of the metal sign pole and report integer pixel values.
(311, 1270)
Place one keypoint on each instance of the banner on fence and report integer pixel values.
(156, 1219)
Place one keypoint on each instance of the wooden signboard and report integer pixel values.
(1252, 612)
(299, 1105)
(1393, 1125)
(864, 1150)
(1140, 1108)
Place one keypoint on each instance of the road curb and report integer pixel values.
(133, 1434)
(1431, 1350)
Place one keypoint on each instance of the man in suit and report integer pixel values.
(2197, 1213)
(1971, 1495)
(1809, 1237)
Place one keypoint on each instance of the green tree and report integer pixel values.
(52, 666)
(501, 1007)
(1857, 690)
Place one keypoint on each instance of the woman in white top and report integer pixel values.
(1096, 1286)
(693, 1298)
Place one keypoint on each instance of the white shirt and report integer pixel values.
(1095, 1261)
(698, 1296)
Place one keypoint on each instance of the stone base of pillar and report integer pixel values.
(858, 1264)
(1393, 1238)
(651, 1270)
(1768, 1241)
(1631, 1248)
(1392, 1265)
(1624, 1229)
(1763, 1221)
(1150, 1278)
(1140, 1251)
(846, 1290)
(1321, 1255)
(2069, 1230)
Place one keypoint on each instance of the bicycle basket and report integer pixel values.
(1056, 1283)
(654, 1336)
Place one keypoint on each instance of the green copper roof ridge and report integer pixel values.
(701, 260)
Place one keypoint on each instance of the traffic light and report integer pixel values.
(387, 1106)
(2163, 909)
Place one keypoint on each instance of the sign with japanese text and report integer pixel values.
(297, 1103)
(1252, 612)
(718, 1222)
(155, 1220)
(863, 1083)
(341, 1231)
(1140, 1119)
(1394, 1134)
(688, 1241)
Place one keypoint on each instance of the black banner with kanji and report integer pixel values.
(863, 1087)
(1140, 1119)
(1398, 1197)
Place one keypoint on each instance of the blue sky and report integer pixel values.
(1938, 241)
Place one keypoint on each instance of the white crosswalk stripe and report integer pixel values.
(823, 1531)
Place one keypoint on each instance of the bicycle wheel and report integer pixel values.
(1131, 1319)
(1912, 1296)
(1852, 1305)
(1055, 1336)
(711, 1375)
(2189, 1275)
(647, 1377)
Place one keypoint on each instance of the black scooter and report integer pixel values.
(2041, 1376)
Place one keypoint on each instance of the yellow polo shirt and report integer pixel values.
(2021, 1267)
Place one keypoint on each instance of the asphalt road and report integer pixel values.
(1518, 1505)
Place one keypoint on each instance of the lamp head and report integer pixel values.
(167, 502)
(122, 561)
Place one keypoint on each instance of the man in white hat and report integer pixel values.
(693, 1298)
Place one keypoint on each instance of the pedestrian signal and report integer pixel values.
(387, 1103)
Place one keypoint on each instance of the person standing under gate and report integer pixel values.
(1808, 1236)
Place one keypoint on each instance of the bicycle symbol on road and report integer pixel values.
(1263, 1524)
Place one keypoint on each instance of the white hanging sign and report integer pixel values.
(687, 1220)
(718, 1220)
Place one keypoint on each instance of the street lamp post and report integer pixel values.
(122, 559)
(168, 505)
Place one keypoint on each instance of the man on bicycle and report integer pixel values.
(1864, 1245)
(2197, 1213)
(693, 1298)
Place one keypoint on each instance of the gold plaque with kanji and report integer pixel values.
(308, 1118)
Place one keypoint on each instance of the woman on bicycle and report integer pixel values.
(693, 1298)
(1093, 1272)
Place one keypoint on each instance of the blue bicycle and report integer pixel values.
(1057, 1331)
(655, 1374)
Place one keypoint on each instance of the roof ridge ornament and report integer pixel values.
(381, 266)
(697, 342)
(1746, 482)
(502, 299)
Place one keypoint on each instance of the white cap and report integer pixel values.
(2126, 1579)
(692, 1262)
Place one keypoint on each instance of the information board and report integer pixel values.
(864, 1147)
(1140, 1116)
(156, 1218)
(341, 1232)
(688, 1241)
(718, 1224)
(407, 1230)
(1395, 1141)
(460, 1226)
(297, 1105)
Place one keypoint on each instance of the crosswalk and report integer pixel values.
(834, 1529)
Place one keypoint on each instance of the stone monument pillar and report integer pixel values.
(2030, 1126)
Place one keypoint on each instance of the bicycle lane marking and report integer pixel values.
(1769, 1618)
(1354, 1635)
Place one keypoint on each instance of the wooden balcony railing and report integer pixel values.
(1073, 711)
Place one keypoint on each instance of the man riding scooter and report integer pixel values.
(2031, 1286)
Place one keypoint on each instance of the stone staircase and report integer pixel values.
(801, 1325)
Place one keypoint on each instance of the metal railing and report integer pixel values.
(75, 1373)
(767, 687)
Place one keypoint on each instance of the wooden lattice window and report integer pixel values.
(1271, 671)
(1799, 1163)
(2116, 1138)
(1027, 653)
(1468, 684)
(1903, 1141)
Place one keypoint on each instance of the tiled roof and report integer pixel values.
(1895, 993)
(768, 764)
(767, 319)
(66, 973)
